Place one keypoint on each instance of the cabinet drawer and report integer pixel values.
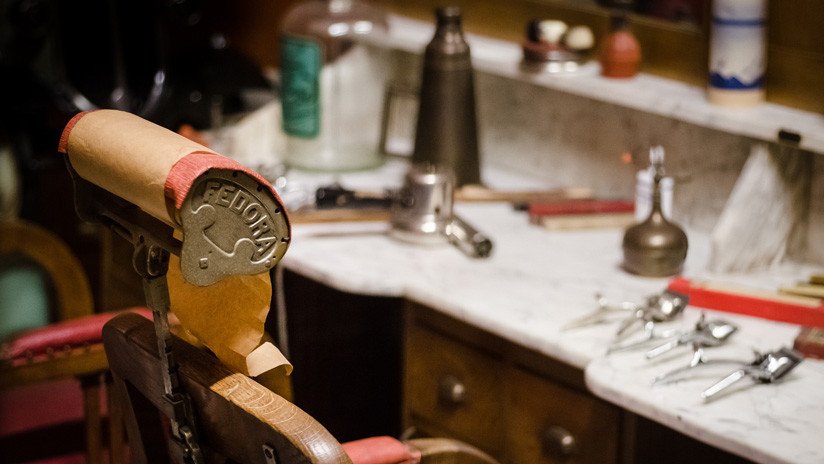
(549, 423)
(455, 387)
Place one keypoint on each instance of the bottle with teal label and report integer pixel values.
(300, 85)
(332, 85)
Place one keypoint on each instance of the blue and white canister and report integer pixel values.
(738, 52)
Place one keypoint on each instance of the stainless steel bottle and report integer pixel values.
(447, 130)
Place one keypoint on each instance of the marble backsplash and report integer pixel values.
(812, 249)
(569, 140)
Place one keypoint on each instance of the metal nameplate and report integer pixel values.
(231, 226)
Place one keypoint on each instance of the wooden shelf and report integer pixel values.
(645, 92)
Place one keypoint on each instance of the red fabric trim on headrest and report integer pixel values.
(63, 144)
(187, 169)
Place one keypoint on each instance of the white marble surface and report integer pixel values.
(782, 422)
(536, 281)
(645, 92)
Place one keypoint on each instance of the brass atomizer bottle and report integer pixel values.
(446, 130)
(655, 247)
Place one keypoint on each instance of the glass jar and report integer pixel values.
(332, 85)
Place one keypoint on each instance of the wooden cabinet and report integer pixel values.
(455, 387)
(370, 366)
(455, 380)
(547, 422)
(512, 403)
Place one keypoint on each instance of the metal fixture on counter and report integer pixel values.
(602, 313)
(705, 334)
(447, 129)
(698, 359)
(663, 307)
(422, 213)
(467, 239)
(649, 336)
(766, 368)
(655, 247)
(423, 206)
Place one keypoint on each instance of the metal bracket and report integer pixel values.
(153, 242)
(269, 454)
(151, 261)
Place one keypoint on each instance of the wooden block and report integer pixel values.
(813, 291)
(587, 206)
(480, 193)
(810, 342)
(586, 221)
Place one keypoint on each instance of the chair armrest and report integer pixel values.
(448, 451)
(387, 450)
(58, 336)
(380, 450)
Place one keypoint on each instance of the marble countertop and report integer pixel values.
(536, 281)
(781, 422)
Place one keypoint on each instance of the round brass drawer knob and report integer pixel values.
(451, 391)
(558, 442)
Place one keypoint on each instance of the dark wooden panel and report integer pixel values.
(495, 346)
(535, 405)
(56, 440)
(431, 362)
(798, 24)
(796, 78)
(656, 443)
(346, 350)
(120, 286)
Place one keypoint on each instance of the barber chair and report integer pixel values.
(170, 196)
(41, 361)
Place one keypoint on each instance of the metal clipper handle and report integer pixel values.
(467, 239)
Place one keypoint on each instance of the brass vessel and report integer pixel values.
(655, 247)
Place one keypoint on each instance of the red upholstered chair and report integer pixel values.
(50, 376)
(238, 420)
